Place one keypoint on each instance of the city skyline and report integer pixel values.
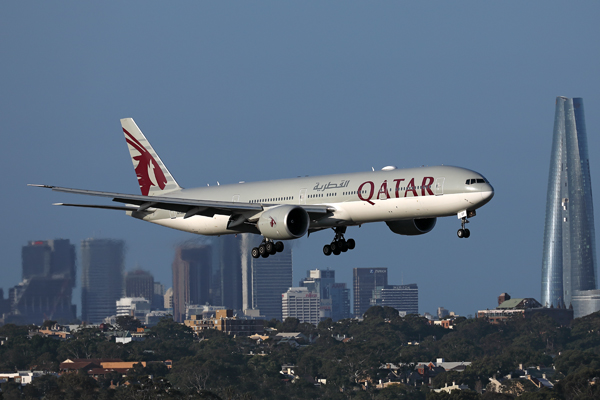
(201, 270)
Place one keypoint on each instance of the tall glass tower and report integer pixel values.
(569, 255)
(102, 261)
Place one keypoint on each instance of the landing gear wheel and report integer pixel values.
(334, 247)
(339, 244)
(270, 247)
(262, 250)
(279, 247)
(463, 232)
(255, 253)
(343, 246)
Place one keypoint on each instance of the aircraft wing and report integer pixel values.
(188, 206)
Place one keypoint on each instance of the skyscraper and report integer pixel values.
(335, 297)
(365, 281)
(49, 258)
(300, 303)
(139, 283)
(192, 270)
(569, 253)
(271, 277)
(48, 268)
(102, 262)
(230, 271)
(248, 241)
(404, 298)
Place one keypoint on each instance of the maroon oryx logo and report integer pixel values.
(273, 222)
(146, 165)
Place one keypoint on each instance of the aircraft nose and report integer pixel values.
(487, 194)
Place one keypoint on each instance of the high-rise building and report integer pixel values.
(102, 262)
(4, 305)
(158, 298)
(248, 241)
(192, 273)
(230, 271)
(300, 303)
(37, 299)
(168, 299)
(334, 297)
(49, 258)
(404, 298)
(365, 281)
(48, 269)
(569, 253)
(136, 307)
(35, 259)
(271, 277)
(139, 283)
(442, 313)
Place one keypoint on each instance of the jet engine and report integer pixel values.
(411, 227)
(284, 222)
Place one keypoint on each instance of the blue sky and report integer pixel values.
(231, 91)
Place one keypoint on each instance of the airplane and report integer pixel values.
(409, 201)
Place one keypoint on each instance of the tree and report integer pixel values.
(12, 330)
(167, 329)
(570, 361)
(578, 385)
(128, 323)
(47, 324)
(381, 312)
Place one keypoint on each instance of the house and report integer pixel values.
(292, 338)
(454, 386)
(524, 308)
(23, 377)
(225, 321)
(97, 368)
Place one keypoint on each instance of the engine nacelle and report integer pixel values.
(411, 227)
(284, 222)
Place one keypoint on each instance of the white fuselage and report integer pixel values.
(356, 198)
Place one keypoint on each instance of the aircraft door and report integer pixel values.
(236, 198)
(439, 186)
(302, 196)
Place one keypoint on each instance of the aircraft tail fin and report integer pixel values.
(153, 176)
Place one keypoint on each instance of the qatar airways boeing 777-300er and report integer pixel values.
(408, 200)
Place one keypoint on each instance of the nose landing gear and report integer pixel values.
(267, 248)
(339, 244)
(463, 232)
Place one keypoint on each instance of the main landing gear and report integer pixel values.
(267, 248)
(339, 244)
(463, 232)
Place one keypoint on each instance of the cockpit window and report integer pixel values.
(477, 180)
